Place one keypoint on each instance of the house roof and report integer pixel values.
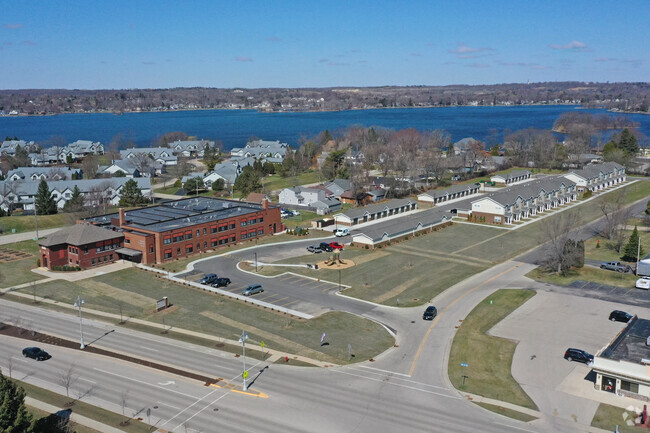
(256, 197)
(25, 172)
(79, 234)
(406, 224)
(513, 174)
(379, 207)
(454, 189)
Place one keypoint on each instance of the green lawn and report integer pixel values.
(76, 428)
(520, 416)
(607, 417)
(606, 252)
(82, 408)
(136, 291)
(17, 272)
(489, 359)
(587, 273)
(276, 182)
(27, 223)
(303, 220)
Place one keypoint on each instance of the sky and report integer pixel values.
(276, 43)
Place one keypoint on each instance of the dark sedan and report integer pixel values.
(619, 316)
(221, 282)
(36, 353)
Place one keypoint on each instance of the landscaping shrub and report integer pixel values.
(38, 263)
(66, 268)
(367, 247)
(587, 194)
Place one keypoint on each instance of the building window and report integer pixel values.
(233, 225)
(167, 240)
(178, 251)
(168, 254)
(188, 234)
(150, 249)
(260, 220)
(260, 232)
(630, 386)
(198, 246)
(111, 257)
(205, 231)
(198, 233)
(214, 242)
(497, 219)
(85, 249)
(189, 250)
(233, 238)
(213, 229)
(93, 262)
(179, 237)
(243, 235)
(243, 223)
(127, 241)
(205, 244)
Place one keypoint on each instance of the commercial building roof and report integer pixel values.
(79, 234)
(180, 213)
(630, 345)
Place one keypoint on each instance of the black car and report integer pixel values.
(578, 355)
(619, 316)
(221, 282)
(325, 247)
(36, 353)
(430, 313)
(208, 279)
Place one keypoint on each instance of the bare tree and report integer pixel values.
(142, 161)
(90, 166)
(615, 216)
(67, 378)
(555, 232)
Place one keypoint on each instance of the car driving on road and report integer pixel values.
(430, 313)
(252, 290)
(578, 355)
(615, 266)
(36, 353)
(342, 232)
(619, 316)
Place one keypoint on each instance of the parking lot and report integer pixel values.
(545, 327)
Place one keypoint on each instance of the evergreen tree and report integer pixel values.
(218, 185)
(628, 143)
(268, 168)
(14, 417)
(248, 181)
(632, 247)
(193, 185)
(44, 202)
(131, 195)
(211, 156)
(76, 202)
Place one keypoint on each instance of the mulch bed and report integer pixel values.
(18, 332)
(9, 255)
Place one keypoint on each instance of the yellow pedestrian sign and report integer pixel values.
(245, 374)
(262, 344)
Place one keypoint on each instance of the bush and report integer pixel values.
(587, 194)
(38, 263)
(178, 183)
(66, 268)
(366, 247)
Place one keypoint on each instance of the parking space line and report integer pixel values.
(319, 285)
(328, 289)
(289, 303)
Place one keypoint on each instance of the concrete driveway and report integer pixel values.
(545, 327)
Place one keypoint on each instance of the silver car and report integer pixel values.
(252, 290)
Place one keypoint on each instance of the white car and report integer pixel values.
(643, 283)
(342, 232)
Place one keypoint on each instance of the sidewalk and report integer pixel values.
(79, 419)
(25, 236)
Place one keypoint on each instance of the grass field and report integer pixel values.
(588, 273)
(606, 252)
(135, 292)
(27, 223)
(77, 428)
(607, 417)
(19, 271)
(489, 359)
(93, 412)
(507, 412)
(276, 182)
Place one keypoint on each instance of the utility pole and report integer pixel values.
(78, 303)
(242, 340)
(255, 260)
(638, 253)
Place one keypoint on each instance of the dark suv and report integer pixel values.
(326, 247)
(619, 316)
(36, 353)
(221, 282)
(578, 355)
(430, 313)
(208, 279)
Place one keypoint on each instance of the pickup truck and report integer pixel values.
(615, 266)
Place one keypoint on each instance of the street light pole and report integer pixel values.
(242, 340)
(78, 303)
(339, 280)
(255, 260)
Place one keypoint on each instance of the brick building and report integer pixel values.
(83, 245)
(161, 233)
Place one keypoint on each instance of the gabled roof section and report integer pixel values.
(79, 234)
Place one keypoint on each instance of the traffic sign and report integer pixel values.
(463, 364)
(262, 344)
(245, 374)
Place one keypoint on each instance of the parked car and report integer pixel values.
(578, 355)
(36, 353)
(615, 266)
(336, 246)
(221, 282)
(294, 213)
(430, 313)
(252, 290)
(325, 247)
(619, 316)
(314, 249)
(208, 279)
(643, 283)
(342, 232)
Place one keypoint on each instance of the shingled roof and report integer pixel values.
(79, 234)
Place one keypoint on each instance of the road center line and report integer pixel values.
(455, 301)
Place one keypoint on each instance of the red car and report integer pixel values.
(336, 245)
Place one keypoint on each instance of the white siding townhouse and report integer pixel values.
(271, 151)
(163, 155)
(227, 171)
(523, 201)
(74, 151)
(511, 178)
(131, 168)
(595, 177)
(8, 147)
(190, 148)
(17, 195)
(317, 199)
(43, 173)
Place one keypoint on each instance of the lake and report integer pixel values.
(234, 127)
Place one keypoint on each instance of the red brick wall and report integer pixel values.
(54, 256)
(489, 218)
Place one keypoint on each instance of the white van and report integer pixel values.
(342, 232)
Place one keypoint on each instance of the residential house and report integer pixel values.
(338, 187)
(511, 178)
(132, 168)
(162, 155)
(409, 225)
(8, 147)
(595, 177)
(319, 200)
(35, 174)
(190, 148)
(377, 194)
(271, 151)
(80, 149)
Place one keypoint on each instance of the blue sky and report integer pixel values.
(249, 43)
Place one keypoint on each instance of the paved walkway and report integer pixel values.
(25, 236)
(76, 418)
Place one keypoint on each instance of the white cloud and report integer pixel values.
(573, 46)
(243, 59)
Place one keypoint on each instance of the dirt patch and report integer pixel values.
(9, 255)
(343, 264)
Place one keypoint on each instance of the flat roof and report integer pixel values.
(181, 213)
(630, 344)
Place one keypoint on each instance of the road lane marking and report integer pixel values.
(512, 426)
(197, 401)
(385, 371)
(206, 406)
(426, 336)
(168, 405)
(149, 348)
(144, 383)
(398, 384)
(403, 379)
